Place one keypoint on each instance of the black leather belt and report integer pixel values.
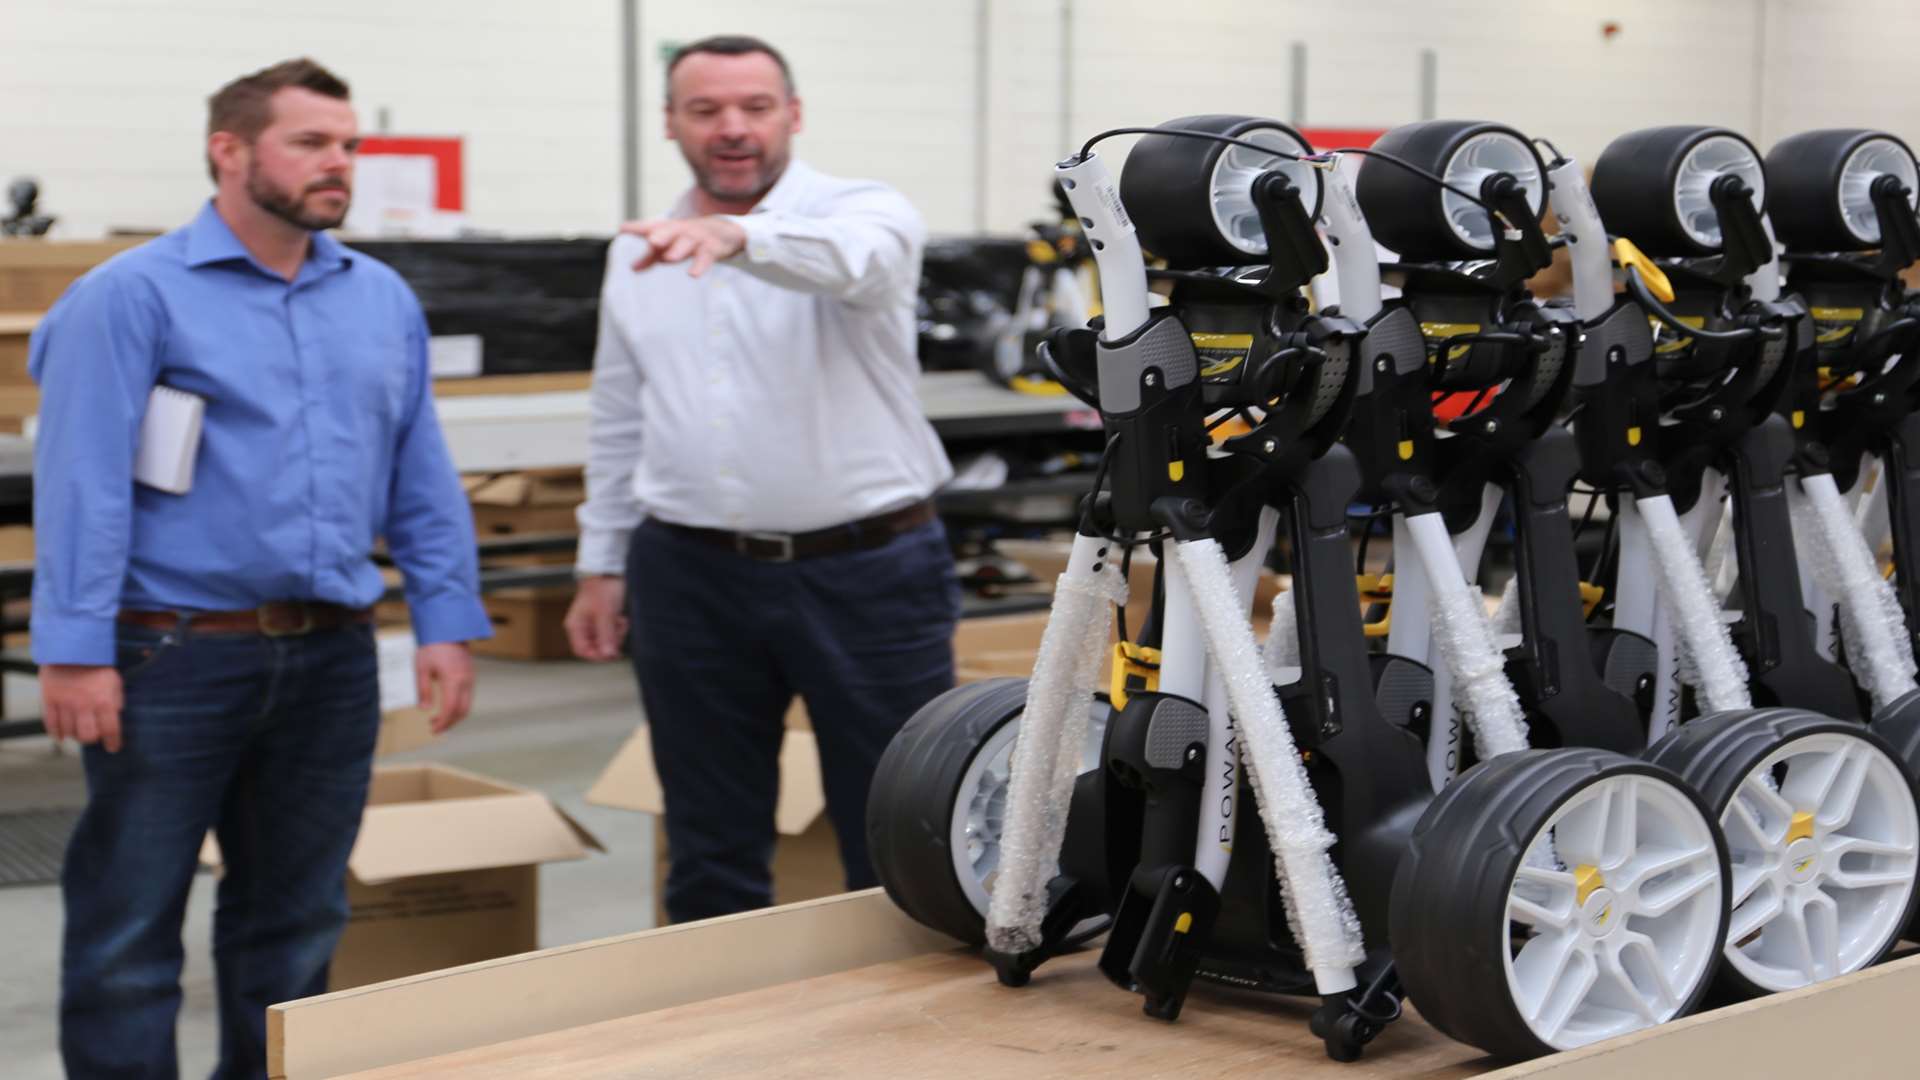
(277, 618)
(859, 535)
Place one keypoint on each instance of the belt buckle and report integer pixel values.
(265, 613)
(783, 541)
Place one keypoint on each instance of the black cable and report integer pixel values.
(1366, 534)
(1087, 149)
(1567, 420)
(1558, 157)
(1660, 311)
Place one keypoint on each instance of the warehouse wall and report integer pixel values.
(962, 104)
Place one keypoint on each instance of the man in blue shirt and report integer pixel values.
(212, 650)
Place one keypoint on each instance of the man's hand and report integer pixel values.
(705, 240)
(445, 674)
(82, 702)
(597, 622)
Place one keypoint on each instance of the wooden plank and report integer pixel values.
(542, 383)
(565, 987)
(943, 1015)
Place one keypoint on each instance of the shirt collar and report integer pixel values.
(210, 240)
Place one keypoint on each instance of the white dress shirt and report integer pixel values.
(777, 391)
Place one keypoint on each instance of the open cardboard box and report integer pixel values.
(446, 871)
(806, 855)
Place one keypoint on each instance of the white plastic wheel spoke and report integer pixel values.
(1582, 835)
(1653, 862)
(1624, 986)
(1541, 875)
(1622, 827)
(1522, 910)
(1868, 879)
(1793, 923)
(1822, 918)
(1842, 795)
(1740, 811)
(1755, 913)
(1775, 804)
(1671, 896)
(1568, 992)
(1746, 880)
(1838, 845)
(1650, 956)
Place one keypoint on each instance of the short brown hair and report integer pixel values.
(244, 106)
(728, 45)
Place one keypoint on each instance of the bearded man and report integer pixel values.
(758, 519)
(210, 645)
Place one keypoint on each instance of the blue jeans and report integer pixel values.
(721, 643)
(268, 742)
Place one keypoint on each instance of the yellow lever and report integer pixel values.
(1632, 258)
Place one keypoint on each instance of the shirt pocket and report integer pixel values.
(378, 367)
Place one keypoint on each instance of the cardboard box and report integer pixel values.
(446, 871)
(528, 624)
(525, 503)
(806, 857)
(16, 328)
(34, 273)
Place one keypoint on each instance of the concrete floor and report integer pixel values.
(550, 727)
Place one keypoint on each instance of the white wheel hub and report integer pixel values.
(1613, 913)
(1825, 843)
(980, 806)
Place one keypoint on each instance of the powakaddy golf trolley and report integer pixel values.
(1545, 899)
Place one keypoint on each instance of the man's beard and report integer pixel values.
(284, 205)
(768, 176)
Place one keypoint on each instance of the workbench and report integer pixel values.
(848, 986)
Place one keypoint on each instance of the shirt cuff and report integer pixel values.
(449, 617)
(762, 236)
(602, 551)
(72, 639)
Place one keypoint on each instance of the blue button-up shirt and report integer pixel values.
(319, 437)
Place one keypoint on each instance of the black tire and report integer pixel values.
(1449, 917)
(1167, 184)
(1633, 186)
(1404, 210)
(1715, 754)
(1804, 172)
(911, 805)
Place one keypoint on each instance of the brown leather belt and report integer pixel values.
(859, 535)
(277, 618)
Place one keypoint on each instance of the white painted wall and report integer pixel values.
(104, 100)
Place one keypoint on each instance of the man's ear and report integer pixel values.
(227, 151)
(794, 104)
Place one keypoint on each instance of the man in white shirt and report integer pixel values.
(758, 519)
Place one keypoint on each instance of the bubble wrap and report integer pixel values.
(1481, 689)
(1282, 648)
(1707, 661)
(1317, 906)
(1046, 756)
(1506, 617)
(1871, 621)
(1466, 644)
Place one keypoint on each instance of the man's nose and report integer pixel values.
(733, 123)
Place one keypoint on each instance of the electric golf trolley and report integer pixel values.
(1545, 899)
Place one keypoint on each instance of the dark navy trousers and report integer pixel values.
(269, 743)
(722, 643)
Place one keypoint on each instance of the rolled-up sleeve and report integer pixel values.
(429, 525)
(95, 357)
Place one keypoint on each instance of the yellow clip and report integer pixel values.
(1406, 449)
(1799, 418)
(1041, 252)
(1176, 470)
(1590, 597)
(1586, 881)
(1184, 923)
(1632, 258)
(1138, 665)
(1800, 827)
(1376, 589)
(1633, 435)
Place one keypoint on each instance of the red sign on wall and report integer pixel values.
(450, 190)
